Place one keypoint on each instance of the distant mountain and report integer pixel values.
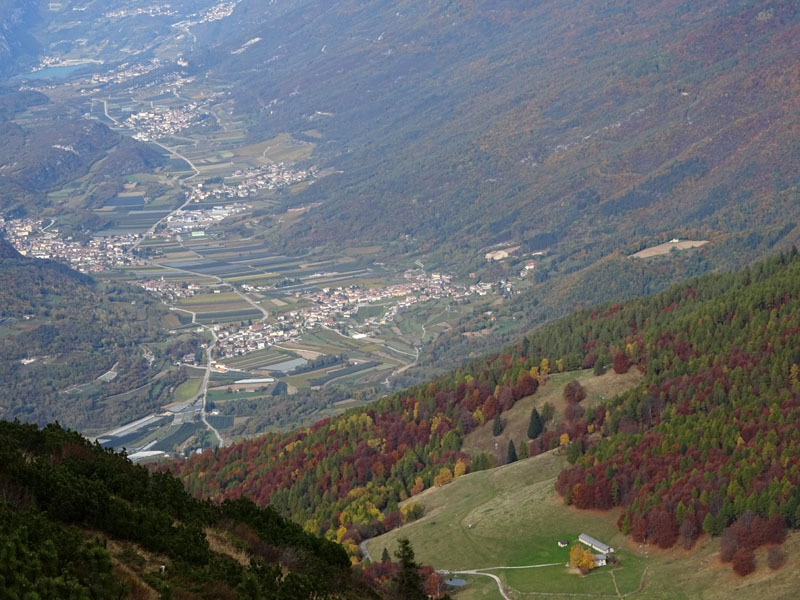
(580, 126)
(16, 19)
(77, 521)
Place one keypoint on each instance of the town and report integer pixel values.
(161, 122)
(334, 308)
(98, 254)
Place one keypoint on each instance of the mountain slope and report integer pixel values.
(576, 126)
(59, 331)
(77, 521)
(717, 353)
(16, 20)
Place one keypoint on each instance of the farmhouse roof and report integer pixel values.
(594, 543)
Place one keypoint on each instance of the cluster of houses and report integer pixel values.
(243, 184)
(153, 10)
(170, 289)
(120, 74)
(236, 341)
(98, 254)
(160, 122)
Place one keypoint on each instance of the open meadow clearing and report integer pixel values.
(517, 418)
(511, 516)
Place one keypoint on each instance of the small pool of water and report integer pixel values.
(456, 582)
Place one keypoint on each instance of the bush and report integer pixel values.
(744, 562)
(776, 557)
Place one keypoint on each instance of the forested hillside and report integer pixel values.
(710, 439)
(79, 522)
(59, 146)
(581, 127)
(16, 19)
(705, 439)
(59, 331)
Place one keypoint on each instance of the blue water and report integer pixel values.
(61, 72)
(456, 582)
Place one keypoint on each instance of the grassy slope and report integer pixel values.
(187, 390)
(511, 516)
(516, 419)
(517, 518)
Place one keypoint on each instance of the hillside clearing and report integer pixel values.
(667, 247)
(598, 388)
(512, 516)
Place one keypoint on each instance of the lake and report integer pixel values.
(59, 72)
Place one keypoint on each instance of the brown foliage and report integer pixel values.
(662, 530)
(688, 532)
(728, 545)
(574, 392)
(744, 562)
(573, 412)
(621, 363)
(490, 408)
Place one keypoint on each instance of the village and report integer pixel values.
(170, 290)
(152, 11)
(335, 308)
(243, 184)
(160, 122)
(97, 254)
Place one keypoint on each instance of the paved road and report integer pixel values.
(202, 394)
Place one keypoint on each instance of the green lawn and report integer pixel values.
(187, 390)
(510, 516)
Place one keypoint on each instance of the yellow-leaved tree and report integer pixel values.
(444, 477)
(582, 558)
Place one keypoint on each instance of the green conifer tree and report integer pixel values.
(408, 581)
(512, 452)
(497, 425)
(524, 452)
(535, 427)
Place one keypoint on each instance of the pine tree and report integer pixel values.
(524, 452)
(512, 452)
(497, 426)
(408, 581)
(535, 427)
(385, 556)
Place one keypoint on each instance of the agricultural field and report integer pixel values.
(187, 390)
(222, 307)
(260, 359)
(668, 247)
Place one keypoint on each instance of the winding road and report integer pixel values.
(204, 389)
(495, 577)
(202, 393)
